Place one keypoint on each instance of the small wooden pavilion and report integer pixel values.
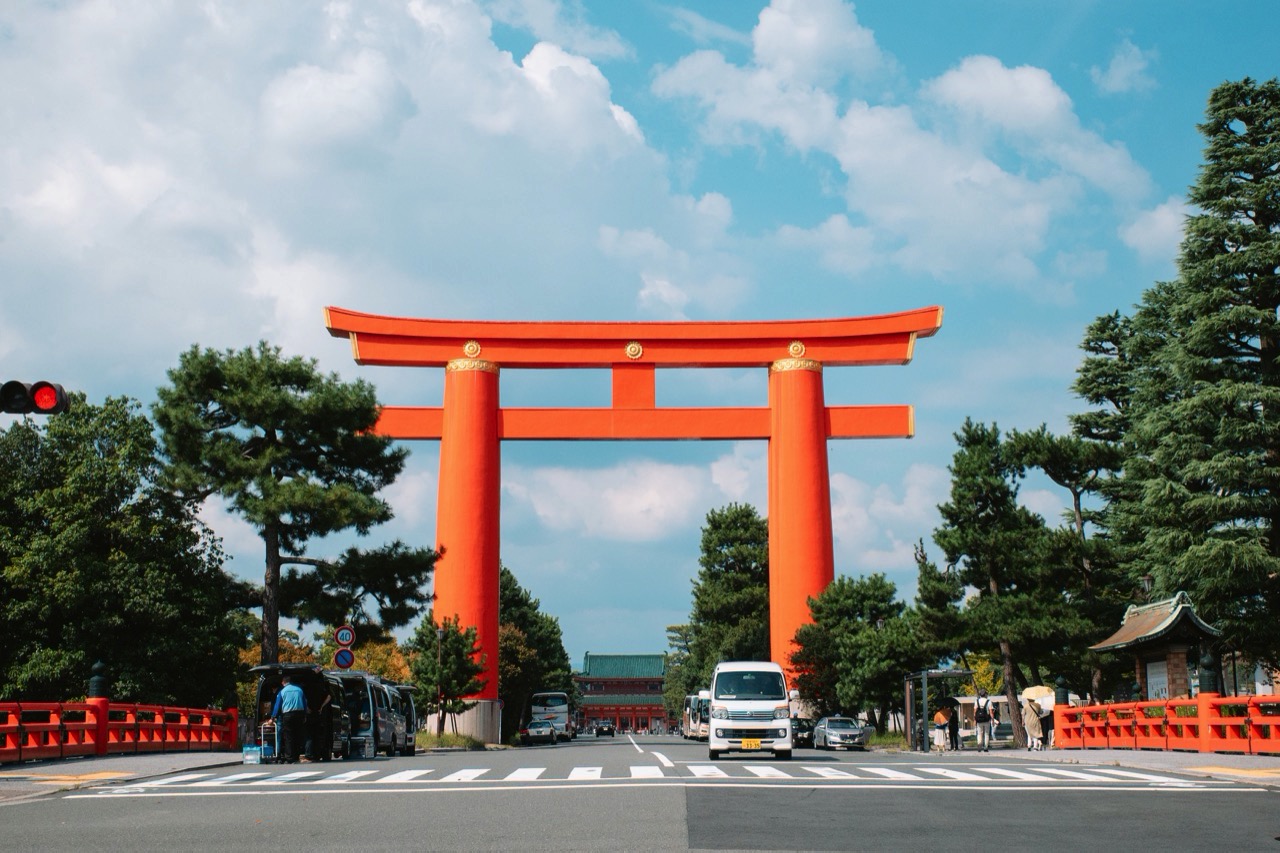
(1160, 635)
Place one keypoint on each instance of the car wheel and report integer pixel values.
(713, 754)
(783, 756)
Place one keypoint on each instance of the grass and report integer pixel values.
(448, 740)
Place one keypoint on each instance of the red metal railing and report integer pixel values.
(42, 730)
(1207, 723)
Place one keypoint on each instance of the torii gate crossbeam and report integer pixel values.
(471, 425)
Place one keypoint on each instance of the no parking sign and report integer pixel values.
(344, 636)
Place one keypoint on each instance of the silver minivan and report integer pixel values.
(377, 723)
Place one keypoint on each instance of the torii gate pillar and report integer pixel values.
(470, 427)
(467, 510)
(801, 563)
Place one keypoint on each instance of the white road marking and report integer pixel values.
(764, 771)
(231, 780)
(404, 776)
(646, 771)
(958, 775)
(525, 774)
(707, 771)
(890, 773)
(172, 780)
(663, 760)
(1131, 774)
(831, 773)
(287, 778)
(468, 775)
(583, 773)
(1076, 774)
(345, 777)
(1017, 774)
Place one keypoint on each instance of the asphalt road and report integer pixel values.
(662, 793)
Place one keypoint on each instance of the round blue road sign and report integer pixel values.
(344, 658)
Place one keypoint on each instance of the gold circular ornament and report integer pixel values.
(471, 349)
(634, 350)
(796, 349)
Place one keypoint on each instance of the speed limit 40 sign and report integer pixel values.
(344, 636)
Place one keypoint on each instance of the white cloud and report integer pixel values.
(562, 23)
(1026, 104)
(842, 248)
(1127, 71)
(703, 30)
(631, 502)
(1156, 234)
(876, 527)
(813, 42)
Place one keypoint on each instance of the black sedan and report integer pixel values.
(603, 729)
(539, 731)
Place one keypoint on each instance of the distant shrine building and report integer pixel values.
(625, 690)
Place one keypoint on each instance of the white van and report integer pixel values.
(750, 709)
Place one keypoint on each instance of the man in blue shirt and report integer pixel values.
(290, 715)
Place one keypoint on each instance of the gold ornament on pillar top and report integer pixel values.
(459, 364)
(795, 349)
(785, 364)
(471, 349)
(634, 350)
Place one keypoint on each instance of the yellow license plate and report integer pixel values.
(751, 743)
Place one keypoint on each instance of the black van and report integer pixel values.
(328, 723)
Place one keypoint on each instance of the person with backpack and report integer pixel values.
(985, 718)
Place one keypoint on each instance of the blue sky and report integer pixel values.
(217, 173)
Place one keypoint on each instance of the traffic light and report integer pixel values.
(39, 398)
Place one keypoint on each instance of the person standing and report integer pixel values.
(290, 715)
(953, 728)
(1031, 722)
(984, 718)
(940, 721)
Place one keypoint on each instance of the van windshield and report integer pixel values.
(750, 685)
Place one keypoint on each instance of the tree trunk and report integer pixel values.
(271, 596)
(1011, 694)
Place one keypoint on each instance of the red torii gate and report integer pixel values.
(470, 425)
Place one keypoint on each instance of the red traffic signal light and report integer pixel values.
(40, 398)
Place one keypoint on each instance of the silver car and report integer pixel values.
(840, 733)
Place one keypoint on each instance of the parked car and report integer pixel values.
(328, 723)
(603, 729)
(401, 698)
(801, 731)
(538, 731)
(840, 733)
(377, 724)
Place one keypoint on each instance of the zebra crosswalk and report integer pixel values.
(914, 775)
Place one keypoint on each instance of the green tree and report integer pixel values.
(446, 667)
(676, 685)
(730, 617)
(1204, 429)
(998, 549)
(852, 657)
(538, 632)
(292, 452)
(100, 562)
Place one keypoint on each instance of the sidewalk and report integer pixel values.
(23, 781)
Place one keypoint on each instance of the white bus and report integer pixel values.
(689, 722)
(553, 706)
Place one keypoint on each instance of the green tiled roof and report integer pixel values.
(624, 666)
(638, 699)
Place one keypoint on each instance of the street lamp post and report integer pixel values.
(439, 682)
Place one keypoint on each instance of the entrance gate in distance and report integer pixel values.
(471, 425)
